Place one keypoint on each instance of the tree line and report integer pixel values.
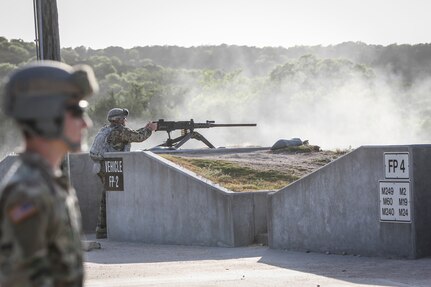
(153, 81)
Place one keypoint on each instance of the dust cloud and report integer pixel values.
(333, 114)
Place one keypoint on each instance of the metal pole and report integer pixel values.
(36, 40)
(46, 28)
(38, 28)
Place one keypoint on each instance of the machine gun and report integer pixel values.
(188, 131)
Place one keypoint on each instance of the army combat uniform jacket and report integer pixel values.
(121, 137)
(114, 137)
(40, 227)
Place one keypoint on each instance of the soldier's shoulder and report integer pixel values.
(103, 131)
(129, 129)
(117, 128)
(26, 179)
(122, 130)
(24, 194)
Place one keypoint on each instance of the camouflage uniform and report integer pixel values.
(119, 139)
(40, 222)
(40, 227)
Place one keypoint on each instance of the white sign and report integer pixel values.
(397, 165)
(395, 201)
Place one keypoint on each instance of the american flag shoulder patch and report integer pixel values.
(21, 211)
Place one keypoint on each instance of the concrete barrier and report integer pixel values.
(337, 208)
(165, 204)
(88, 189)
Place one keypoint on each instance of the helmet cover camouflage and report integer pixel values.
(117, 113)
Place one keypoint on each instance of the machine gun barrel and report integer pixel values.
(188, 127)
(169, 126)
(212, 125)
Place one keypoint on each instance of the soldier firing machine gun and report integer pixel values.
(188, 131)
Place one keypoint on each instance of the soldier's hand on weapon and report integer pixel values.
(151, 126)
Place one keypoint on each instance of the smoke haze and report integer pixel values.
(343, 110)
(336, 97)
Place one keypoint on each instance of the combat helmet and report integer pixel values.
(37, 95)
(117, 113)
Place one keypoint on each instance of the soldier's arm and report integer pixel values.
(25, 217)
(148, 129)
(139, 135)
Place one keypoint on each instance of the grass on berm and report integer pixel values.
(233, 176)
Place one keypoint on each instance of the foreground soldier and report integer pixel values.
(40, 222)
(114, 137)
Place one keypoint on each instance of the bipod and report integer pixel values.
(179, 141)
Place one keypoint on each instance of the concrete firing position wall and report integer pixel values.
(165, 204)
(88, 189)
(336, 209)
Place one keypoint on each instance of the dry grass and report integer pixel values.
(298, 149)
(266, 170)
(233, 176)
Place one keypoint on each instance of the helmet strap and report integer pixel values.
(73, 146)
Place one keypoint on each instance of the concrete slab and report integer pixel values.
(136, 264)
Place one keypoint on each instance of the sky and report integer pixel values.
(260, 23)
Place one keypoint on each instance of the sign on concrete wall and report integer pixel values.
(396, 165)
(395, 201)
(394, 191)
(114, 179)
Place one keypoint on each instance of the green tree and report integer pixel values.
(70, 56)
(5, 69)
